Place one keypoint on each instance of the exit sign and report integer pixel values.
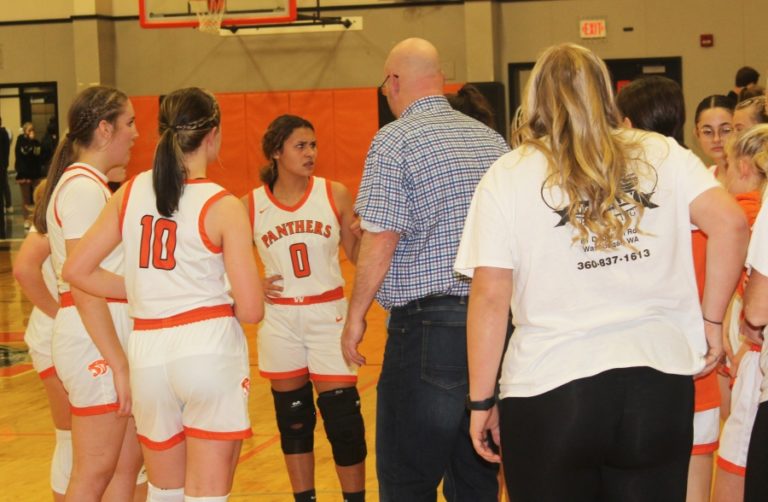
(592, 28)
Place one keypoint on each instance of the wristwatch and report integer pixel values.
(484, 405)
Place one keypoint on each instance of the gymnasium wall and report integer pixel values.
(159, 60)
(39, 53)
(660, 28)
(345, 122)
(153, 62)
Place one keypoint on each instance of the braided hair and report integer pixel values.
(186, 117)
(89, 108)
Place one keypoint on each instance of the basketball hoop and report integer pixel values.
(209, 14)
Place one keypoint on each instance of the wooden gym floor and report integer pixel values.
(26, 430)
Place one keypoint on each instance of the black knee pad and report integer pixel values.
(295, 411)
(344, 425)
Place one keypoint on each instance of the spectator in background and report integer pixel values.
(470, 101)
(29, 169)
(751, 92)
(746, 77)
(49, 143)
(5, 150)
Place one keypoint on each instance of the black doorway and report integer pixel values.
(622, 72)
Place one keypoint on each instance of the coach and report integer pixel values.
(419, 177)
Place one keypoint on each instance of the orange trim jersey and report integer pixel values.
(300, 243)
(171, 265)
(80, 195)
(707, 389)
(750, 202)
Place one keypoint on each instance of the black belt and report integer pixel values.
(432, 301)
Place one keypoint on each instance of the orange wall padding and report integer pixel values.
(345, 122)
(452, 88)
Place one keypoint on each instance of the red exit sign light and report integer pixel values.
(592, 28)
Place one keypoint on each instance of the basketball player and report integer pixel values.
(747, 155)
(298, 222)
(89, 331)
(34, 273)
(189, 359)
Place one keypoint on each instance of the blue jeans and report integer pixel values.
(421, 421)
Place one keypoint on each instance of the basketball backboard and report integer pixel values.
(183, 13)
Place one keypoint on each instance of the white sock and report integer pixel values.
(155, 494)
(61, 463)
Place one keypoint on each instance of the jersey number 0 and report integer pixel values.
(158, 239)
(300, 260)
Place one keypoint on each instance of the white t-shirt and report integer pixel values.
(757, 259)
(578, 311)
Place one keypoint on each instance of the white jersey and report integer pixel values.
(49, 274)
(300, 243)
(757, 259)
(39, 330)
(171, 265)
(80, 195)
(40, 326)
(49, 278)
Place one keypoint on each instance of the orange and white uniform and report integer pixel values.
(706, 418)
(76, 202)
(301, 330)
(187, 352)
(745, 395)
(39, 333)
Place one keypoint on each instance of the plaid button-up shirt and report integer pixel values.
(420, 174)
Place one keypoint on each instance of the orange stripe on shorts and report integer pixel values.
(188, 317)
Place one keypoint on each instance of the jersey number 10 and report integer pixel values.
(158, 240)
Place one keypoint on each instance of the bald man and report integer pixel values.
(419, 177)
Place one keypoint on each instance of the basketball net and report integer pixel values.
(209, 14)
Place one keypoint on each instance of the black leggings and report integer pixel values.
(756, 480)
(624, 435)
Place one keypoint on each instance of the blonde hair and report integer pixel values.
(752, 143)
(757, 111)
(569, 114)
